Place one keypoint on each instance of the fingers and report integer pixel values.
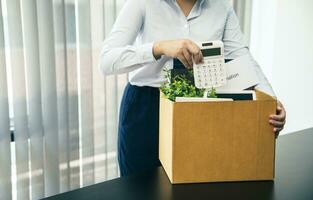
(277, 129)
(188, 58)
(277, 124)
(189, 54)
(281, 116)
(279, 104)
(198, 58)
(182, 59)
(280, 108)
(195, 52)
(278, 121)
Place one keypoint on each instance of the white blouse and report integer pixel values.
(140, 23)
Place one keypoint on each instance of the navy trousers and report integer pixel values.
(138, 131)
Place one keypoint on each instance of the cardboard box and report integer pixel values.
(217, 141)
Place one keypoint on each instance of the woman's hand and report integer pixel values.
(185, 50)
(278, 121)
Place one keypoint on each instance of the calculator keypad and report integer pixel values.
(210, 74)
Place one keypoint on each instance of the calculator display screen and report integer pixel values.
(211, 52)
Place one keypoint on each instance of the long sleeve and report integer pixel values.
(119, 54)
(235, 47)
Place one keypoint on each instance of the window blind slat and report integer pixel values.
(19, 98)
(61, 71)
(97, 35)
(86, 91)
(105, 32)
(49, 96)
(122, 80)
(111, 98)
(73, 118)
(243, 10)
(31, 49)
(5, 150)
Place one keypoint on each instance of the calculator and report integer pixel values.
(211, 73)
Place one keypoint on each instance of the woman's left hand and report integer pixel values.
(278, 121)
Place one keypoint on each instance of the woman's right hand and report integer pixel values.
(185, 50)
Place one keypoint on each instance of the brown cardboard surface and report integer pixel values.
(165, 140)
(217, 141)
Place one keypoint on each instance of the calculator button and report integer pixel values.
(210, 74)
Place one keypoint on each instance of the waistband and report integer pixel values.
(143, 88)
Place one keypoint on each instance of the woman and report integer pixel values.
(147, 35)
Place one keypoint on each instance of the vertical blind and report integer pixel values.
(243, 9)
(5, 151)
(62, 110)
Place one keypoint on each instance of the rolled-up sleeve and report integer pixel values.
(119, 53)
(235, 47)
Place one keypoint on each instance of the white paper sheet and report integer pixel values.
(240, 74)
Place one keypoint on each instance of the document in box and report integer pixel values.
(195, 99)
(240, 74)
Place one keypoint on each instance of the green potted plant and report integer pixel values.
(181, 86)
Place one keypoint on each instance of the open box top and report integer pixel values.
(260, 96)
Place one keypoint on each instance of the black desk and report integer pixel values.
(294, 180)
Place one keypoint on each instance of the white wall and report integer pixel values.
(282, 42)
